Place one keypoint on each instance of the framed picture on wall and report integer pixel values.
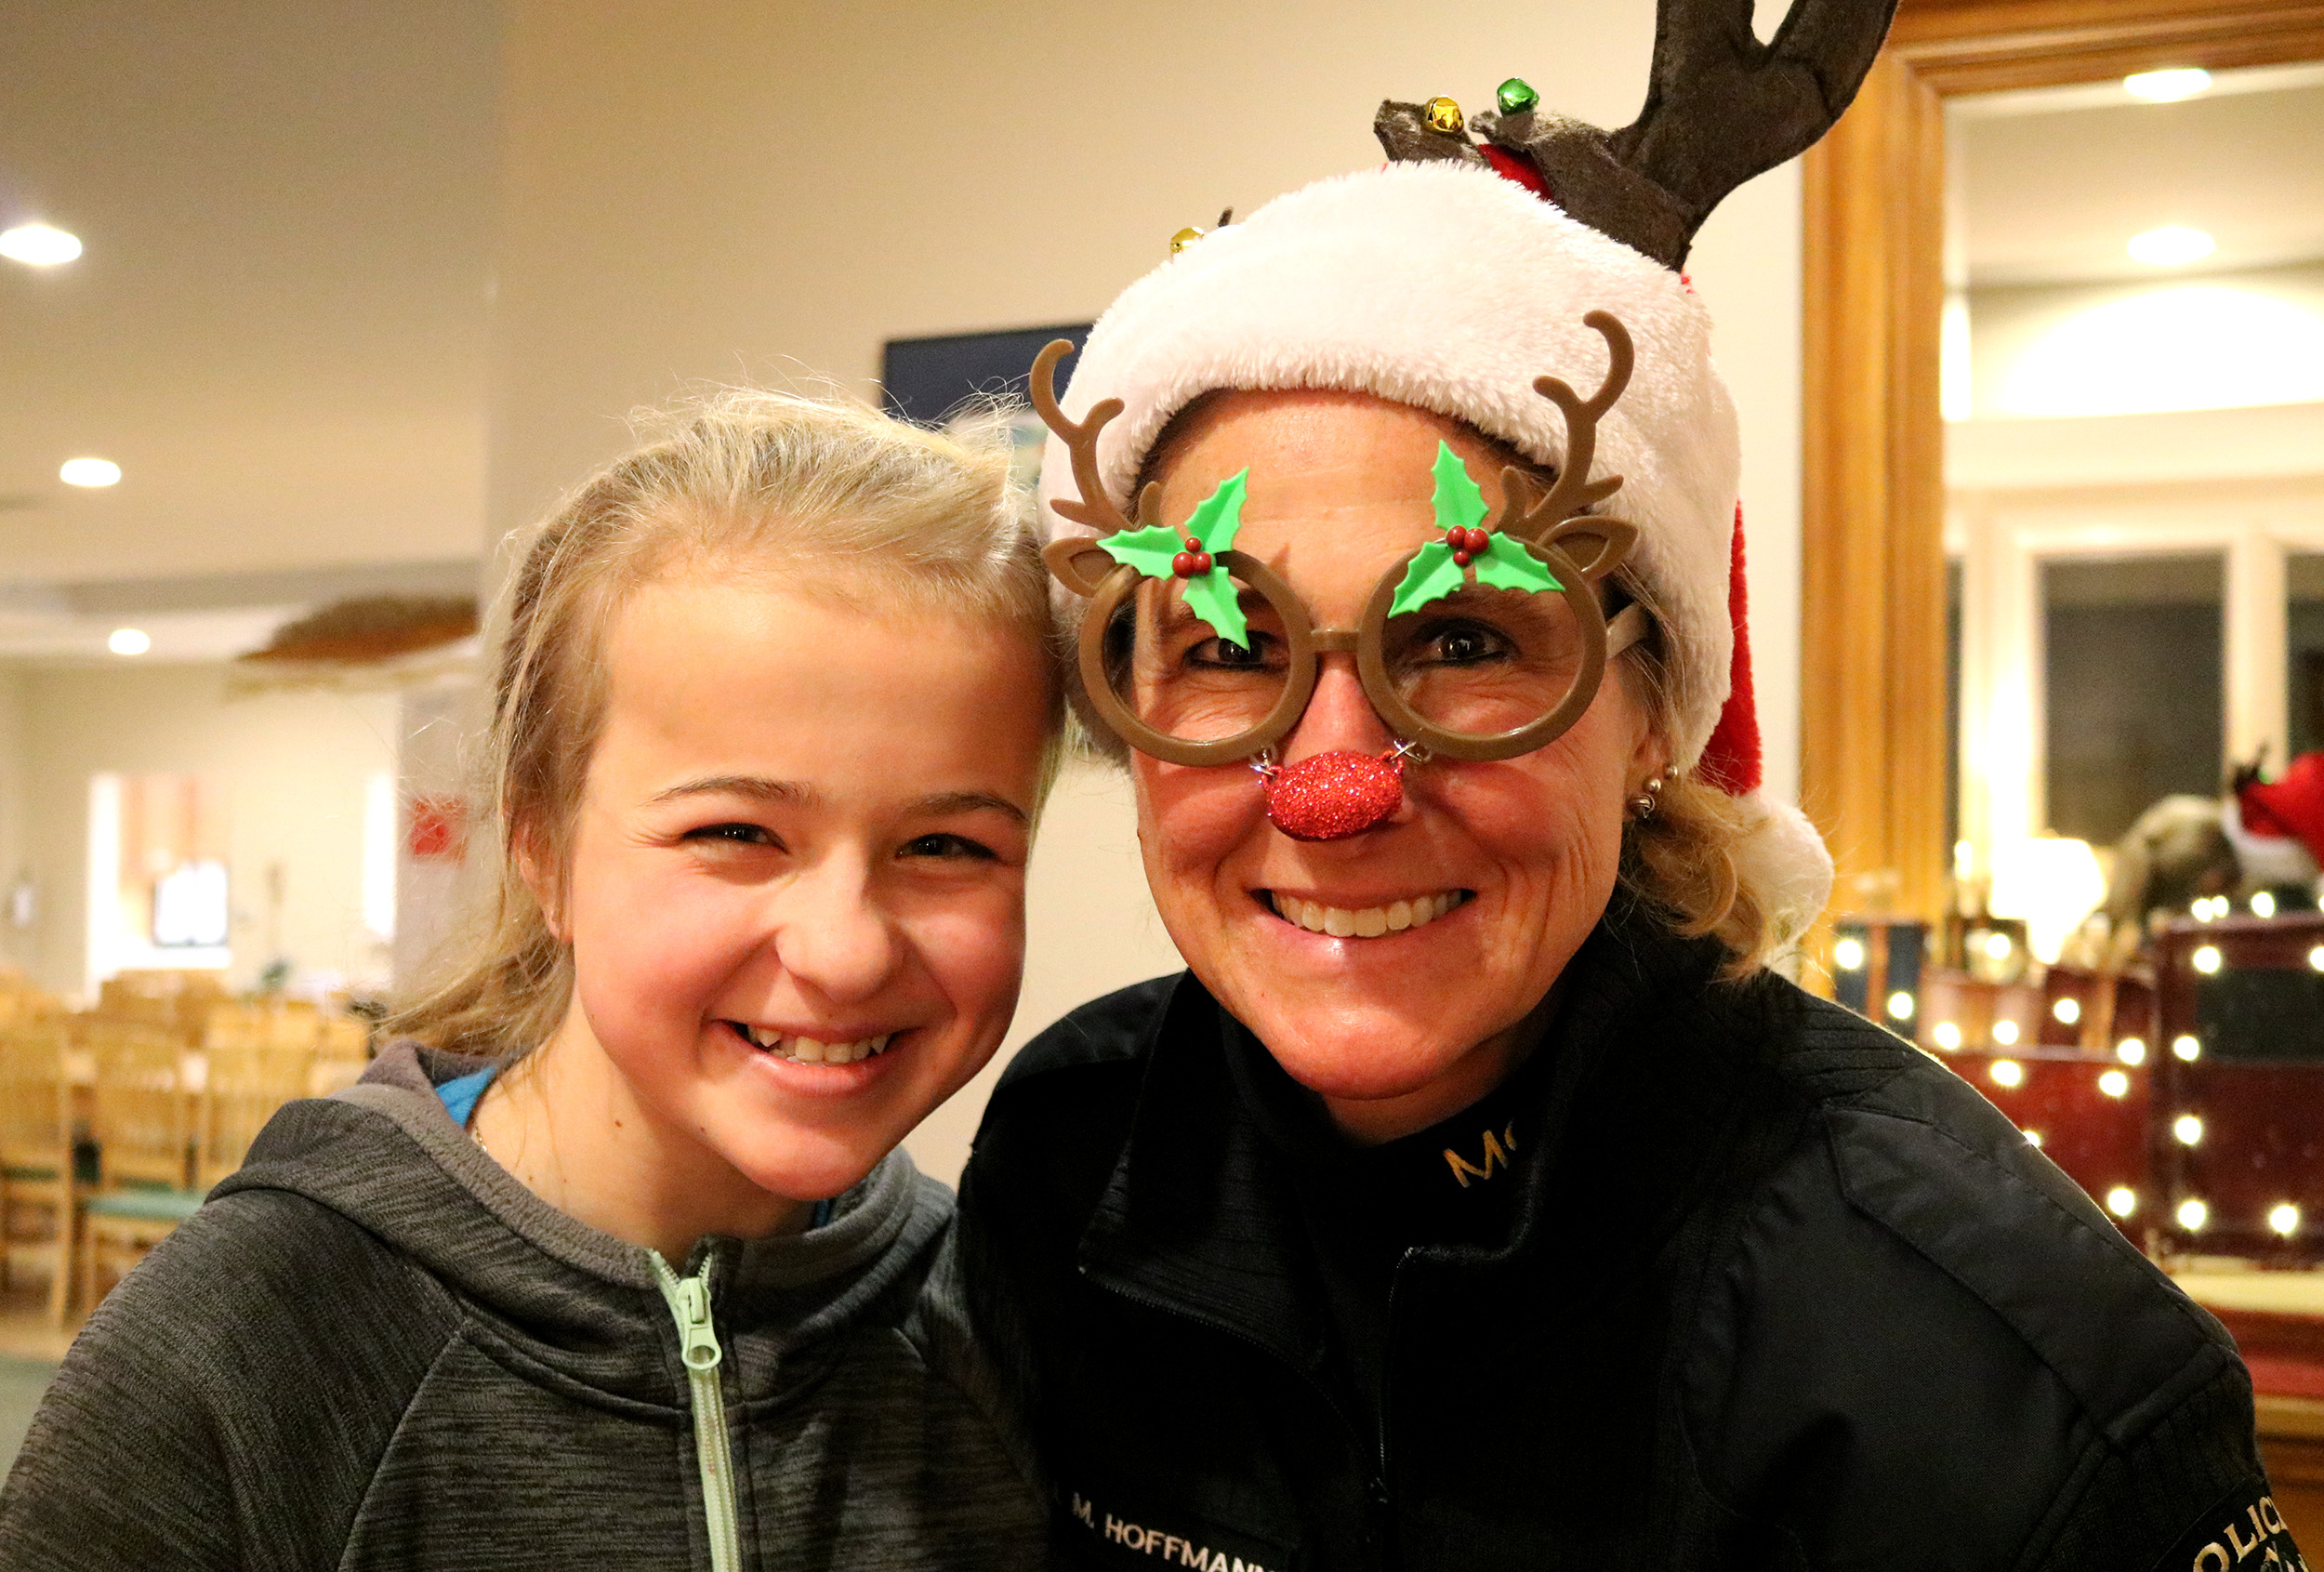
(924, 379)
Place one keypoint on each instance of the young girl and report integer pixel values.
(612, 1259)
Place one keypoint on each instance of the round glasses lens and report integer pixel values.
(1482, 661)
(1175, 672)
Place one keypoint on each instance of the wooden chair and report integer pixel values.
(342, 1054)
(36, 1153)
(140, 1120)
(243, 1089)
(293, 1024)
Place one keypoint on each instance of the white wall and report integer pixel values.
(772, 191)
(296, 767)
(16, 945)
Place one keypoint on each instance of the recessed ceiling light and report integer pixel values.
(88, 472)
(2171, 246)
(37, 246)
(2167, 86)
(128, 641)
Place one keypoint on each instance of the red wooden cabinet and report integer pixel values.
(2186, 1097)
(2239, 1136)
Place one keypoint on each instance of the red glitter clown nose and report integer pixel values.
(1332, 796)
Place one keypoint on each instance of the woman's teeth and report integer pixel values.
(1367, 923)
(806, 1050)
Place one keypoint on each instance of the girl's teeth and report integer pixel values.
(1371, 922)
(808, 1050)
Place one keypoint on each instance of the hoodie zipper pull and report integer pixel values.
(689, 1302)
(698, 1339)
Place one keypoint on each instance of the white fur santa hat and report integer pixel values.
(1452, 278)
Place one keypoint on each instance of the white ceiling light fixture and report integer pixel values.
(89, 473)
(2172, 245)
(38, 245)
(128, 641)
(2167, 86)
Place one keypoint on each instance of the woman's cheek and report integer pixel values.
(1200, 816)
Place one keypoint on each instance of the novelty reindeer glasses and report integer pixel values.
(1486, 644)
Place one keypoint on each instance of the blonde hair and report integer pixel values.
(1685, 862)
(826, 497)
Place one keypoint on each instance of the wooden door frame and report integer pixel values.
(1872, 503)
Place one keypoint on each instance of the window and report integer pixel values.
(2134, 682)
(2304, 675)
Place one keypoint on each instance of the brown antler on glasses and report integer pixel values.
(1549, 518)
(1078, 564)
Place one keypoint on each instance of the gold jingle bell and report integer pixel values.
(1444, 116)
(1184, 239)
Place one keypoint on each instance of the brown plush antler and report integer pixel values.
(1720, 107)
(1528, 513)
(1095, 510)
(1077, 562)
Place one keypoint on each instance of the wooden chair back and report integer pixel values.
(139, 1112)
(241, 1089)
(230, 1024)
(293, 1024)
(342, 1054)
(36, 1110)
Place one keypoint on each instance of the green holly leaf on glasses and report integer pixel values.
(1220, 517)
(1150, 550)
(1154, 552)
(1213, 598)
(1508, 565)
(1459, 505)
(1432, 575)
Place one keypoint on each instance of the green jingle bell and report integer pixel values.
(1516, 95)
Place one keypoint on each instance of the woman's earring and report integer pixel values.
(1649, 797)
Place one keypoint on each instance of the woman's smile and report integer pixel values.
(1355, 919)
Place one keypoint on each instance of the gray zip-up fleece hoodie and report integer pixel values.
(372, 1348)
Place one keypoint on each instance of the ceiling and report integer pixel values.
(2051, 184)
(278, 326)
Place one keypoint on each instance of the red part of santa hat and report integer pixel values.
(1731, 759)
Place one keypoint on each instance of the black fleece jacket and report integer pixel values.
(1775, 1290)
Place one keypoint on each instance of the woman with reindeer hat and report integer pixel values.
(1478, 1197)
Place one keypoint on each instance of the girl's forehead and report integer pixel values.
(697, 661)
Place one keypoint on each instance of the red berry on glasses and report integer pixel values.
(1183, 564)
(1203, 563)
